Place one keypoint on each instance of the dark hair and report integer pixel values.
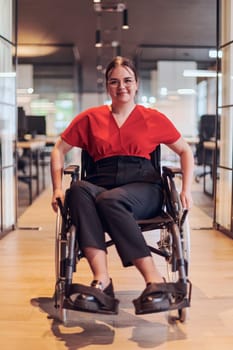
(121, 61)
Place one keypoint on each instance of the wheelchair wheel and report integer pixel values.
(185, 241)
(184, 234)
(64, 264)
(182, 229)
(60, 256)
(173, 276)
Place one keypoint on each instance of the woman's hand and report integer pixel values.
(57, 164)
(187, 166)
(57, 194)
(186, 200)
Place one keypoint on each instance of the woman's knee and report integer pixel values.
(78, 194)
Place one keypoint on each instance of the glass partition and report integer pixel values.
(224, 190)
(7, 117)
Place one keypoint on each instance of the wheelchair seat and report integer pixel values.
(173, 244)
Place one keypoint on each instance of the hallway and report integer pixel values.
(28, 318)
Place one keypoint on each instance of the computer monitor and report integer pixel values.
(36, 125)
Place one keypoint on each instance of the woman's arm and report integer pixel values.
(187, 165)
(56, 165)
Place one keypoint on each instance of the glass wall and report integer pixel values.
(224, 189)
(7, 116)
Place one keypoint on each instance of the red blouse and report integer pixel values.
(96, 131)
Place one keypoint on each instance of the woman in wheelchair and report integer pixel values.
(118, 191)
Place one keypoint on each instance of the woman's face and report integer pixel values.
(121, 84)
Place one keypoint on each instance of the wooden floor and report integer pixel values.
(28, 319)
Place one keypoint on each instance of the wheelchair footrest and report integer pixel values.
(163, 297)
(94, 301)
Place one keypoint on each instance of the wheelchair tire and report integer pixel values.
(185, 246)
(172, 270)
(64, 264)
(186, 243)
(185, 236)
(59, 294)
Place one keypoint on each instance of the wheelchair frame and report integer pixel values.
(173, 245)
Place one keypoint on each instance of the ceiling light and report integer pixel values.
(125, 24)
(186, 91)
(98, 42)
(115, 43)
(108, 7)
(213, 53)
(118, 50)
(199, 73)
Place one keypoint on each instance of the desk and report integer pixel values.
(51, 140)
(192, 141)
(210, 145)
(34, 148)
(32, 145)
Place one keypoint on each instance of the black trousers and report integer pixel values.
(96, 210)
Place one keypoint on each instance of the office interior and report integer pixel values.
(192, 83)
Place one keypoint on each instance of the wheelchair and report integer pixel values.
(173, 245)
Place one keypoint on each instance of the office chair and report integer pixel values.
(204, 157)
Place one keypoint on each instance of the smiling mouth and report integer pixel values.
(122, 93)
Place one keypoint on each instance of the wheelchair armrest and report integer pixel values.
(171, 171)
(72, 170)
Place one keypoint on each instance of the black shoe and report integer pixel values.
(153, 299)
(99, 285)
(97, 299)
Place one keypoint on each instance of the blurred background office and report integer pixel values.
(52, 59)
